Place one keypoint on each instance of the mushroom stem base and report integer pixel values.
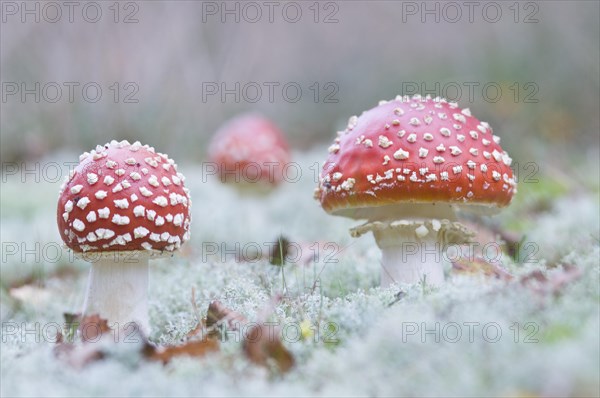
(118, 291)
(407, 258)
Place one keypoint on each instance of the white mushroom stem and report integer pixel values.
(118, 291)
(413, 245)
(408, 258)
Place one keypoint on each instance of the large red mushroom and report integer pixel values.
(405, 166)
(250, 153)
(120, 206)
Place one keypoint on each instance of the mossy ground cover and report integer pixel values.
(477, 335)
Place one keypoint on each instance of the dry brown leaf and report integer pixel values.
(78, 356)
(264, 347)
(196, 348)
(219, 314)
(92, 327)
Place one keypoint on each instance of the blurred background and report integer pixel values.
(531, 69)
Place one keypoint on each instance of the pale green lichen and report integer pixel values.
(364, 340)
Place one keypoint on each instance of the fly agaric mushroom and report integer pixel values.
(120, 206)
(250, 153)
(405, 166)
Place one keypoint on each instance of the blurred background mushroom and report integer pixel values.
(250, 154)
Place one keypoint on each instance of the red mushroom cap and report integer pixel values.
(249, 149)
(418, 150)
(124, 197)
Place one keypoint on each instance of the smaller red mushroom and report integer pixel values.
(120, 206)
(250, 153)
(405, 166)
